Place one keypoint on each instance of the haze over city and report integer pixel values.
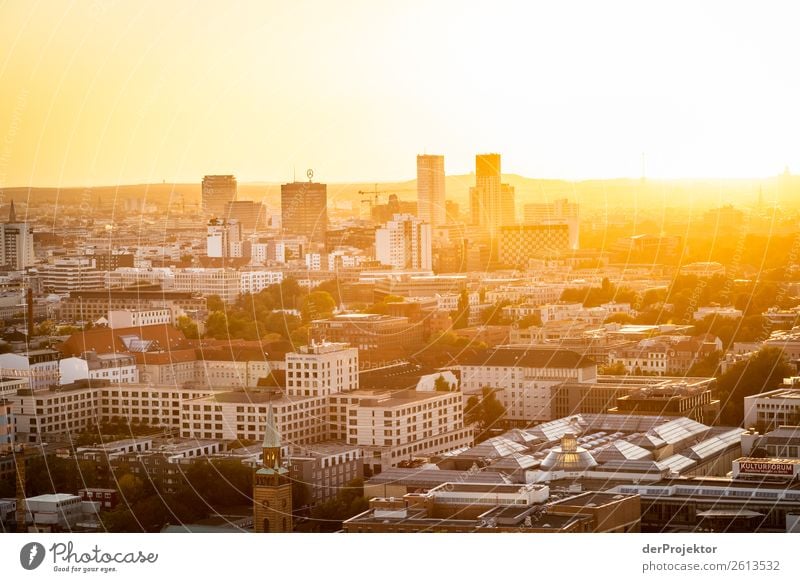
(129, 93)
(371, 267)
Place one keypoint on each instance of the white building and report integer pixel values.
(716, 311)
(255, 281)
(522, 378)
(321, 369)
(223, 282)
(71, 274)
(56, 512)
(224, 238)
(392, 426)
(242, 415)
(772, 409)
(404, 243)
(314, 261)
(117, 368)
(345, 258)
(120, 318)
(40, 367)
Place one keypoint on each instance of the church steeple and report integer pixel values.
(271, 447)
(12, 214)
(272, 486)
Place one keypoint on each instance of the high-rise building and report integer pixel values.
(557, 212)
(491, 202)
(304, 210)
(250, 214)
(272, 488)
(431, 189)
(16, 243)
(224, 239)
(217, 192)
(404, 243)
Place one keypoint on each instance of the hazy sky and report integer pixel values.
(104, 92)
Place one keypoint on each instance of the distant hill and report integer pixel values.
(591, 194)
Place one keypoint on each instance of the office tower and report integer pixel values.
(217, 192)
(272, 488)
(16, 243)
(249, 214)
(557, 212)
(304, 210)
(430, 190)
(491, 202)
(224, 239)
(404, 243)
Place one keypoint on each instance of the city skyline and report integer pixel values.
(208, 92)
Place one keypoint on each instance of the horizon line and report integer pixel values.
(186, 182)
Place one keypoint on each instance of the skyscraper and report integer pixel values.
(304, 210)
(491, 202)
(431, 190)
(404, 243)
(249, 214)
(16, 242)
(217, 192)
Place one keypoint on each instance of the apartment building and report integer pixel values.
(522, 378)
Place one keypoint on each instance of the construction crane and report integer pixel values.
(375, 193)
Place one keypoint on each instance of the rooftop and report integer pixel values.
(526, 358)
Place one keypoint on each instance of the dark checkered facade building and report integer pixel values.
(519, 243)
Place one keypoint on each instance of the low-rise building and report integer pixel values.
(522, 378)
(39, 367)
(325, 468)
(772, 409)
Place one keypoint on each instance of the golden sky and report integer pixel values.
(104, 92)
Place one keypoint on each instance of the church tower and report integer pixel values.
(272, 488)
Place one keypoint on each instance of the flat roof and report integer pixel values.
(252, 397)
(527, 358)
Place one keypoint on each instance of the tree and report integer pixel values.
(461, 315)
(485, 412)
(217, 325)
(621, 318)
(214, 303)
(494, 314)
(615, 369)
(349, 502)
(707, 367)
(187, 326)
(532, 320)
(764, 371)
(47, 327)
(317, 305)
(442, 385)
